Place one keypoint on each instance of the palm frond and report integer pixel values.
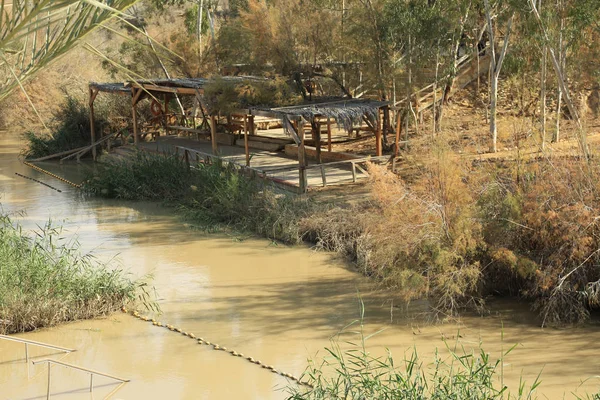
(33, 34)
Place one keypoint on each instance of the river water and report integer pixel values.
(275, 303)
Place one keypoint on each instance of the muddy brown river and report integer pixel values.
(278, 304)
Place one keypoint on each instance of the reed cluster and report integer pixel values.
(46, 280)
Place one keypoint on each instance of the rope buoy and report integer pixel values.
(51, 174)
(40, 182)
(215, 346)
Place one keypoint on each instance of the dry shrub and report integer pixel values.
(541, 228)
(560, 209)
(424, 241)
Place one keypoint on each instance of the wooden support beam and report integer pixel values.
(167, 97)
(135, 96)
(398, 132)
(213, 133)
(316, 134)
(252, 127)
(246, 149)
(302, 161)
(93, 94)
(329, 135)
(378, 148)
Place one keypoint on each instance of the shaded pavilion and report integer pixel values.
(345, 113)
(160, 90)
(296, 120)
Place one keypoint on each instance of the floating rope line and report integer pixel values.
(215, 346)
(40, 182)
(51, 174)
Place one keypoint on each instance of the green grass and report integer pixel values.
(349, 371)
(45, 280)
(210, 196)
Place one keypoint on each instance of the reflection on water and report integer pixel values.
(277, 304)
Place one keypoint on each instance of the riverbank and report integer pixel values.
(46, 281)
(454, 232)
(279, 304)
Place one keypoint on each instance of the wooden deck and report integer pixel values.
(274, 165)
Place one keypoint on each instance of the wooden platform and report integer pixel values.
(275, 165)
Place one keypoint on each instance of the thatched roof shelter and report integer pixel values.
(346, 113)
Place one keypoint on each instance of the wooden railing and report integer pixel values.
(356, 166)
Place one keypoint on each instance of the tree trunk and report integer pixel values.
(433, 107)
(556, 63)
(543, 92)
(543, 97)
(495, 67)
(493, 101)
(556, 137)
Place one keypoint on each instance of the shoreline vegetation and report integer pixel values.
(455, 232)
(45, 280)
(348, 370)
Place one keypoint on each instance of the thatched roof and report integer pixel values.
(110, 87)
(188, 83)
(346, 113)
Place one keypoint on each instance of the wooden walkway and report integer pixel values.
(275, 165)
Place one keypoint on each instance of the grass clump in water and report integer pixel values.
(45, 281)
(350, 371)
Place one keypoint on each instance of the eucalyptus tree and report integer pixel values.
(496, 13)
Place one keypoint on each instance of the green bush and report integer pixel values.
(225, 96)
(70, 129)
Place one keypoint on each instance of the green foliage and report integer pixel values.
(34, 35)
(70, 129)
(210, 195)
(145, 177)
(350, 371)
(45, 280)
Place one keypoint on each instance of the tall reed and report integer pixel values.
(45, 280)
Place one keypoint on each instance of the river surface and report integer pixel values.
(275, 303)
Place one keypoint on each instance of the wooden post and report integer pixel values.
(166, 114)
(329, 135)
(398, 132)
(323, 175)
(386, 121)
(93, 94)
(246, 149)
(316, 134)
(186, 158)
(213, 133)
(135, 95)
(378, 135)
(252, 127)
(302, 160)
